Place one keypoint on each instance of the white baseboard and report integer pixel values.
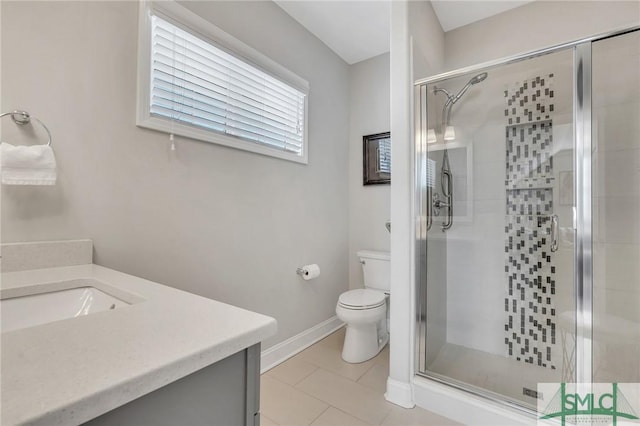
(399, 393)
(284, 350)
(463, 407)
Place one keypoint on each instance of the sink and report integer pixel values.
(59, 301)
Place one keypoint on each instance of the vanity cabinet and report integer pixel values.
(226, 393)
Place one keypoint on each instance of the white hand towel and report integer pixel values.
(27, 165)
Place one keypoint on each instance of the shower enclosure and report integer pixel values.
(528, 221)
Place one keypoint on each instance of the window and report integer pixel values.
(384, 155)
(199, 82)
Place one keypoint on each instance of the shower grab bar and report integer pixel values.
(429, 209)
(554, 233)
(449, 203)
(23, 117)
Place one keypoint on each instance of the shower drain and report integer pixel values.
(532, 393)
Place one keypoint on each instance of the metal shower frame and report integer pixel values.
(583, 249)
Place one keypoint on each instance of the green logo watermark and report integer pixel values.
(596, 403)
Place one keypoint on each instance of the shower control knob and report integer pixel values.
(438, 203)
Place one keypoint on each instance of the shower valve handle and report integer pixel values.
(438, 204)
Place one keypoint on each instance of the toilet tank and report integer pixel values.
(376, 269)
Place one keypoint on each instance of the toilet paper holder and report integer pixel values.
(308, 272)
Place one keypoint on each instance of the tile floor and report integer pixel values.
(317, 388)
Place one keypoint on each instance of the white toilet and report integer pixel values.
(365, 310)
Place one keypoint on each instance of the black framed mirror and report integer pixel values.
(376, 155)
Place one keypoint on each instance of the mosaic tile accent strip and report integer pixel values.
(530, 326)
(529, 159)
(530, 202)
(529, 101)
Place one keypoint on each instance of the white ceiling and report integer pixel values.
(359, 29)
(454, 14)
(355, 30)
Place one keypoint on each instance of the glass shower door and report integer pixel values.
(616, 209)
(496, 235)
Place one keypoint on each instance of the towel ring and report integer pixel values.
(23, 117)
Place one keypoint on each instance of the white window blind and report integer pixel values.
(384, 155)
(196, 83)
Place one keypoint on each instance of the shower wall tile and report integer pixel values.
(617, 126)
(615, 220)
(437, 304)
(473, 325)
(616, 209)
(488, 182)
(531, 334)
(617, 173)
(621, 304)
(562, 136)
(620, 266)
(487, 144)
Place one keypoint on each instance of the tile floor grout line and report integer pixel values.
(355, 417)
(331, 405)
(386, 417)
(318, 416)
(373, 364)
(327, 402)
(297, 382)
(267, 417)
(339, 373)
(303, 392)
(314, 370)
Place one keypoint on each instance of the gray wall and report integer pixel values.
(368, 205)
(533, 26)
(428, 39)
(211, 220)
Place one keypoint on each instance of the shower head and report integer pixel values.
(478, 78)
(474, 80)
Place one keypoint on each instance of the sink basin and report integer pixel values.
(59, 301)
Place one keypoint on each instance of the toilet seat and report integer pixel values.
(361, 299)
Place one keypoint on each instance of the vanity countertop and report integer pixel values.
(70, 371)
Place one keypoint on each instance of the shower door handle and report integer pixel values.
(554, 233)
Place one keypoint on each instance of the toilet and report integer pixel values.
(365, 310)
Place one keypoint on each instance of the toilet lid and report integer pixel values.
(362, 298)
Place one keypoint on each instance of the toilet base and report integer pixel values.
(361, 343)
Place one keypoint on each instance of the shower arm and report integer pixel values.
(452, 99)
(446, 110)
